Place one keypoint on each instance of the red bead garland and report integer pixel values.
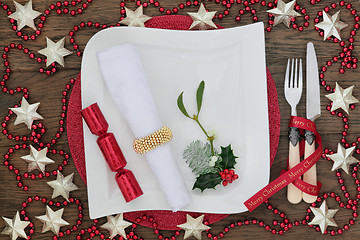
(33, 176)
(59, 7)
(247, 7)
(43, 200)
(34, 137)
(346, 55)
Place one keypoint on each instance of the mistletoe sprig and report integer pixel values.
(211, 167)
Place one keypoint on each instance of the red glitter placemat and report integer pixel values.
(166, 220)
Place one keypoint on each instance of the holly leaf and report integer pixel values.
(209, 180)
(199, 95)
(228, 158)
(181, 106)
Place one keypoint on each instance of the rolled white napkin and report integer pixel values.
(129, 87)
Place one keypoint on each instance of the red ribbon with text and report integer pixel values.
(300, 184)
(292, 174)
(306, 187)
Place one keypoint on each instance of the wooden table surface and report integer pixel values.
(281, 43)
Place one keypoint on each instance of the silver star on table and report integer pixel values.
(52, 220)
(15, 227)
(37, 159)
(284, 12)
(63, 185)
(202, 20)
(135, 18)
(26, 113)
(323, 217)
(55, 52)
(331, 25)
(343, 158)
(116, 225)
(342, 98)
(24, 15)
(193, 226)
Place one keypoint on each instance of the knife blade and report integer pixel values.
(313, 108)
(313, 111)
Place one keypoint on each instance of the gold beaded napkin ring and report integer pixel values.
(154, 140)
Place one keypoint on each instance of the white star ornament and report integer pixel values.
(135, 18)
(284, 12)
(26, 113)
(202, 19)
(37, 159)
(342, 98)
(193, 226)
(343, 158)
(15, 227)
(52, 220)
(63, 185)
(323, 217)
(331, 25)
(24, 15)
(55, 52)
(116, 225)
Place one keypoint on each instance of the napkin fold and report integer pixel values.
(128, 85)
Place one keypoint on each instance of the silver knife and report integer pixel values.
(313, 111)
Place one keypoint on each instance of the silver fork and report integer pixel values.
(293, 89)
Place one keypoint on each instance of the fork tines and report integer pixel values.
(293, 84)
(294, 81)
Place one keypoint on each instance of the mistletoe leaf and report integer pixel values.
(199, 95)
(228, 158)
(181, 106)
(209, 180)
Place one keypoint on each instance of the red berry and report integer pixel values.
(224, 183)
(228, 177)
(226, 171)
(232, 172)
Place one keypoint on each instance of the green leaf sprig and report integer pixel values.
(197, 155)
(195, 117)
(212, 179)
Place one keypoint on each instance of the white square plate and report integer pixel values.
(232, 64)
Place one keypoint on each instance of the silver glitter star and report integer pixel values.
(24, 15)
(193, 226)
(323, 217)
(135, 18)
(52, 220)
(37, 159)
(202, 20)
(116, 225)
(343, 158)
(284, 12)
(26, 113)
(331, 25)
(342, 98)
(15, 227)
(55, 52)
(63, 185)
